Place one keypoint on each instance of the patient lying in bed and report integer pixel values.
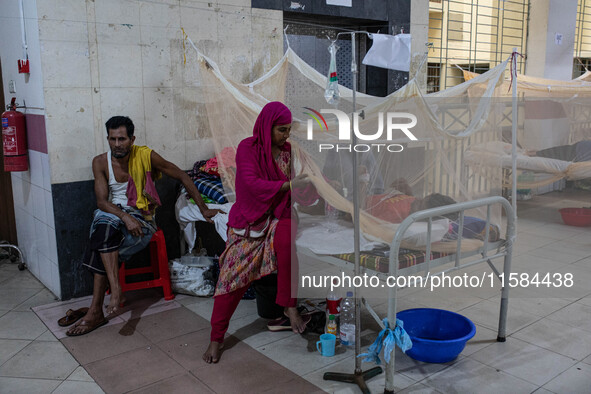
(398, 203)
(577, 152)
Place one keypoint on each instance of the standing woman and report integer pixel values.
(260, 232)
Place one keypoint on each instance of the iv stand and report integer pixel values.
(358, 377)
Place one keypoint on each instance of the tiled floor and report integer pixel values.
(548, 349)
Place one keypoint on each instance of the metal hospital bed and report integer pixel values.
(488, 252)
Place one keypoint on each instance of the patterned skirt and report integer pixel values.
(246, 259)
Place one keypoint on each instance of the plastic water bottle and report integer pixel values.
(331, 212)
(347, 330)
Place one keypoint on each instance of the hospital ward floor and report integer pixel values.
(155, 346)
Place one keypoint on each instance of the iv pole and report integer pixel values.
(358, 377)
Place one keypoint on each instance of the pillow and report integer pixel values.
(211, 188)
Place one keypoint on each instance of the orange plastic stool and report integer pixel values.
(158, 267)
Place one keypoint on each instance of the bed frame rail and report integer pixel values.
(428, 215)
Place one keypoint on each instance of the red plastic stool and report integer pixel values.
(158, 267)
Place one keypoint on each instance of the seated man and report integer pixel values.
(123, 223)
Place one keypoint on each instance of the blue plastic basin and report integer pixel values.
(437, 335)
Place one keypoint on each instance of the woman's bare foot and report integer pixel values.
(212, 354)
(297, 324)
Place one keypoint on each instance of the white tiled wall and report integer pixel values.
(125, 57)
(33, 206)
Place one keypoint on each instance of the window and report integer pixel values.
(433, 77)
(582, 38)
(475, 34)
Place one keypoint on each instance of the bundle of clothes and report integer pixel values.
(206, 177)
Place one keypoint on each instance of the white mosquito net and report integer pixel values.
(398, 174)
(553, 132)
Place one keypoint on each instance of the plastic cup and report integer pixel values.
(326, 344)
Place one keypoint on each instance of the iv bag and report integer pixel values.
(331, 94)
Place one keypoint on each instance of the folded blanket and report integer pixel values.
(212, 188)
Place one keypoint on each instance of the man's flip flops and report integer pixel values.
(86, 328)
(72, 316)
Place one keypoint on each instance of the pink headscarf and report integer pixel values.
(258, 178)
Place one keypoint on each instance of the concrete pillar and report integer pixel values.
(419, 25)
(551, 38)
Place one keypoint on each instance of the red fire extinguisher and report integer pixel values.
(14, 139)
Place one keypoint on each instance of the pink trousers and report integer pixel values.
(224, 305)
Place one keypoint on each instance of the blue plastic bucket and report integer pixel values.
(437, 335)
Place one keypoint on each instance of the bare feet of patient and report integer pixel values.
(297, 324)
(212, 354)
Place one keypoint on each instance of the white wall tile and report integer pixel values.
(70, 133)
(267, 27)
(33, 266)
(19, 218)
(50, 219)
(63, 30)
(26, 235)
(26, 239)
(16, 174)
(39, 210)
(52, 246)
(72, 157)
(55, 281)
(120, 65)
(25, 175)
(46, 172)
(238, 3)
(163, 15)
(71, 10)
(235, 46)
(35, 168)
(17, 192)
(65, 64)
(27, 196)
(200, 25)
(118, 12)
(197, 150)
(115, 33)
(42, 237)
(161, 133)
(127, 102)
(67, 110)
(158, 66)
(45, 271)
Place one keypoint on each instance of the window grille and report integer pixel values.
(582, 53)
(475, 34)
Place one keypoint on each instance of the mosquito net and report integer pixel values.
(410, 148)
(553, 132)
